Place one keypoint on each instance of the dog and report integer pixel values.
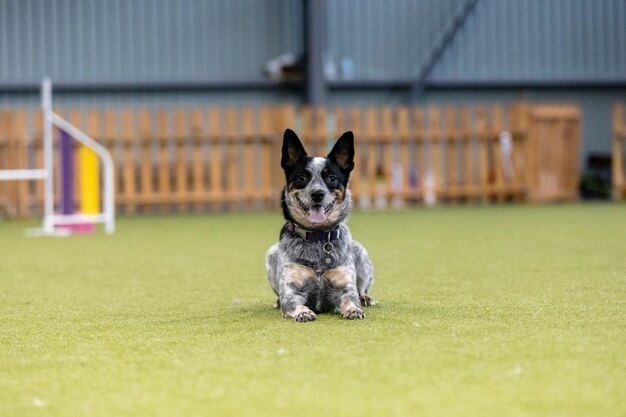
(316, 266)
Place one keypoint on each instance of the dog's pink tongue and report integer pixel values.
(316, 215)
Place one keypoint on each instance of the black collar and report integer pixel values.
(314, 235)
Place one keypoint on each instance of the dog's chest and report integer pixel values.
(319, 256)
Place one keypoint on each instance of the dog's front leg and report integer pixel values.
(293, 296)
(343, 281)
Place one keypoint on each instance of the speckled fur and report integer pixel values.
(304, 287)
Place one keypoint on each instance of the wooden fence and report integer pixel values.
(619, 151)
(201, 159)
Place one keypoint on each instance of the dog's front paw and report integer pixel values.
(304, 316)
(367, 301)
(353, 313)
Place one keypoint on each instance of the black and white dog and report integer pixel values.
(316, 266)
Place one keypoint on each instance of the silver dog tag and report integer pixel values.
(327, 260)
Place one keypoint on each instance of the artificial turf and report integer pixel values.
(483, 311)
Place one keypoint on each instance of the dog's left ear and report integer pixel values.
(343, 153)
(293, 151)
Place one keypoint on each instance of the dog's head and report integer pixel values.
(316, 195)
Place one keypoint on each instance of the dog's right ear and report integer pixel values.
(293, 151)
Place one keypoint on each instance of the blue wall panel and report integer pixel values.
(212, 40)
(542, 40)
(144, 40)
(386, 39)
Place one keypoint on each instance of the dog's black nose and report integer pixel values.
(317, 196)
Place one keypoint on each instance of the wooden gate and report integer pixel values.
(619, 149)
(553, 152)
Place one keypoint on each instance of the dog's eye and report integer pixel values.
(302, 179)
(332, 179)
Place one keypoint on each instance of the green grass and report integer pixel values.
(484, 311)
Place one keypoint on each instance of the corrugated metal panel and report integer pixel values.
(147, 40)
(538, 40)
(501, 40)
(386, 39)
(167, 40)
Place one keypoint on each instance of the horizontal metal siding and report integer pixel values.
(501, 40)
(538, 40)
(144, 40)
(386, 39)
(171, 40)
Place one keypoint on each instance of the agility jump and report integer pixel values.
(91, 211)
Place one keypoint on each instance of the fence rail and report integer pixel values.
(200, 159)
(619, 151)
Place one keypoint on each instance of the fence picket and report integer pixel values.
(12, 190)
(267, 163)
(483, 153)
(435, 136)
(146, 160)
(450, 141)
(233, 169)
(372, 137)
(497, 126)
(249, 145)
(420, 168)
(215, 142)
(354, 124)
(467, 152)
(21, 143)
(127, 137)
(404, 157)
(5, 198)
(388, 183)
(618, 147)
(181, 134)
(162, 137)
(197, 159)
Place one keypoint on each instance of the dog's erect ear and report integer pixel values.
(293, 151)
(343, 153)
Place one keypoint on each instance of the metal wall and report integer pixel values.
(554, 40)
(502, 40)
(143, 40)
(386, 39)
(203, 40)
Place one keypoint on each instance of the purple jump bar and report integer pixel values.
(67, 174)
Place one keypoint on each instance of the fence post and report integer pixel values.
(521, 147)
(497, 124)
(147, 162)
(197, 159)
(21, 162)
(619, 133)
(12, 194)
(450, 139)
(127, 137)
(163, 139)
(268, 144)
(216, 194)
(284, 117)
(181, 136)
(233, 165)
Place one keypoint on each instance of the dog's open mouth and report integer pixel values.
(316, 213)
